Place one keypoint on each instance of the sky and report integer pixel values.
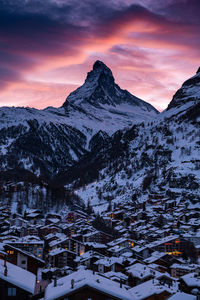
(47, 47)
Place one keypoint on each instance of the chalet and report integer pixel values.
(178, 270)
(98, 247)
(68, 244)
(31, 230)
(18, 221)
(59, 257)
(32, 214)
(119, 251)
(15, 282)
(141, 252)
(109, 264)
(139, 273)
(91, 237)
(172, 245)
(88, 259)
(162, 259)
(122, 242)
(84, 285)
(23, 259)
(33, 217)
(30, 244)
(190, 282)
(98, 237)
(116, 276)
(150, 290)
(45, 230)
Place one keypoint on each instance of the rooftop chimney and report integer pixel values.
(55, 281)
(6, 271)
(120, 283)
(72, 283)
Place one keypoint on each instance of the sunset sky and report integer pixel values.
(48, 46)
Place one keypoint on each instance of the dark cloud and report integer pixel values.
(7, 75)
(32, 31)
(184, 11)
(29, 34)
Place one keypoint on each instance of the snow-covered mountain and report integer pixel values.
(47, 141)
(100, 91)
(162, 155)
(188, 94)
(100, 104)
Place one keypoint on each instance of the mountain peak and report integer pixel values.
(100, 70)
(100, 67)
(188, 93)
(100, 89)
(198, 71)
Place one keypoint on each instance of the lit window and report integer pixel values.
(12, 291)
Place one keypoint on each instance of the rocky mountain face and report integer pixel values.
(161, 155)
(188, 94)
(45, 142)
(100, 89)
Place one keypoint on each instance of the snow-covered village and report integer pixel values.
(146, 250)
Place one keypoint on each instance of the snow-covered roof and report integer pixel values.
(182, 296)
(117, 241)
(162, 240)
(191, 279)
(57, 251)
(115, 275)
(86, 278)
(28, 239)
(141, 271)
(18, 277)
(87, 255)
(190, 267)
(154, 256)
(149, 288)
(95, 245)
(109, 261)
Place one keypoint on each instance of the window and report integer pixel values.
(12, 291)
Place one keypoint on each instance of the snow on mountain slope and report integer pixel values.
(188, 94)
(161, 155)
(105, 104)
(100, 89)
(161, 158)
(47, 141)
